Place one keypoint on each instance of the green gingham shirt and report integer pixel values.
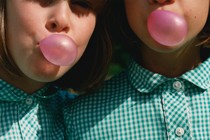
(31, 117)
(141, 105)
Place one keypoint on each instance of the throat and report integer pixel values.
(170, 65)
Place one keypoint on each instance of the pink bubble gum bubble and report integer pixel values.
(167, 28)
(59, 49)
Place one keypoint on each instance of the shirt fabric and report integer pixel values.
(138, 104)
(32, 117)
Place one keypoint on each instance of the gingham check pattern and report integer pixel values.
(35, 117)
(141, 105)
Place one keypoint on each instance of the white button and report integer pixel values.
(177, 85)
(29, 101)
(179, 131)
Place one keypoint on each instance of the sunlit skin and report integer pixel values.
(28, 22)
(166, 60)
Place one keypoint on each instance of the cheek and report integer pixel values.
(83, 33)
(137, 20)
(136, 13)
(196, 21)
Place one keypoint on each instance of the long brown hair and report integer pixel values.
(91, 69)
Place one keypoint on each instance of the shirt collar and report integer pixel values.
(145, 81)
(11, 93)
(142, 79)
(200, 76)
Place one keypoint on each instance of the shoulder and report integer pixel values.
(112, 90)
(104, 100)
(116, 84)
(88, 110)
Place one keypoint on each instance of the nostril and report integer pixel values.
(170, 1)
(161, 1)
(53, 26)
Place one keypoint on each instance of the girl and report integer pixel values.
(31, 96)
(165, 91)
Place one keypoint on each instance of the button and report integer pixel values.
(29, 101)
(177, 85)
(179, 131)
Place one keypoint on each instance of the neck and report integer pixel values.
(171, 64)
(24, 83)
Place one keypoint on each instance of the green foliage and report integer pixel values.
(119, 61)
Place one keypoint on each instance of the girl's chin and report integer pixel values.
(165, 49)
(45, 78)
(44, 71)
(47, 73)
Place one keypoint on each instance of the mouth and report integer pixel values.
(59, 49)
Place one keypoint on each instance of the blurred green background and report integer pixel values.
(120, 58)
(120, 48)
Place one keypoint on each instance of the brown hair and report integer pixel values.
(91, 69)
(123, 33)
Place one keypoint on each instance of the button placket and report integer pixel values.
(29, 101)
(175, 110)
(28, 113)
(178, 85)
(179, 132)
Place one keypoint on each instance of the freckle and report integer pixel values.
(195, 17)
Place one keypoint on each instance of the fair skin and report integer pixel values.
(171, 61)
(28, 22)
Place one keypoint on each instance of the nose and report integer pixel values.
(59, 17)
(161, 1)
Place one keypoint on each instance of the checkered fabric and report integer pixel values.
(31, 117)
(140, 105)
